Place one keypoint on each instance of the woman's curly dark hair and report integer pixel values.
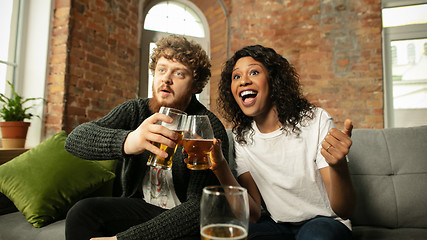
(286, 93)
(189, 53)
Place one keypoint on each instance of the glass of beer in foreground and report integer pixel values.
(178, 124)
(224, 213)
(198, 142)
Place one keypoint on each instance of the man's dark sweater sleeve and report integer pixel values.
(103, 138)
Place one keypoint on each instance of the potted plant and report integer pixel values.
(14, 129)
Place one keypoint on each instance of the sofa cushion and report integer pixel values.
(13, 226)
(378, 233)
(46, 181)
(389, 172)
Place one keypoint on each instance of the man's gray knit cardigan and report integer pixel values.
(104, 139)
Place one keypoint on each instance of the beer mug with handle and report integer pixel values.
(224, 213)
(198, 142)
(178, 124)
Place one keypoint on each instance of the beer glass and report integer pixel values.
(179, 120)
(198, 142)
(224, 213)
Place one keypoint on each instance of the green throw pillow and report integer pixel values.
(106, 189)
(46, 181)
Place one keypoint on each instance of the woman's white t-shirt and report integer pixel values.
(285, 167)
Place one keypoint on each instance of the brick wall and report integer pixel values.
(58, 64)
(217, 20)
(103, 58)
(335, 46)
(94, 60)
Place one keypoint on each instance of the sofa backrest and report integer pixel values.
(389, 172)
(231, 162)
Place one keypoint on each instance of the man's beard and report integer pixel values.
(180, 104)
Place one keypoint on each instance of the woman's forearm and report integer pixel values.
(225, 177)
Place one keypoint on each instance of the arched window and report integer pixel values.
(162, 18)
(174, 17)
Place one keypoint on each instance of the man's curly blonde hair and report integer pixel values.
(189, 53)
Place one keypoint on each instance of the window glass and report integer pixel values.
(405, 64)
(174, 17)
(6, 10)
(410, 82)
(407, 15)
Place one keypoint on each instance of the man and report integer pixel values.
(181, 69)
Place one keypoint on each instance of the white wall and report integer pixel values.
(33, 59)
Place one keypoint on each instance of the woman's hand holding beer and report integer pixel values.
(142, 138)
(216, 156)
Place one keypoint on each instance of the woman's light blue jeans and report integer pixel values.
(319, 228)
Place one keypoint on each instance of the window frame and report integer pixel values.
(390, 34)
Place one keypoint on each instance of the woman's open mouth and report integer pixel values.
(248, 97)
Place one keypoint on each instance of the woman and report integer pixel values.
(289, 156)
